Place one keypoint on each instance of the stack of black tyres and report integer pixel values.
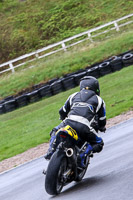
(69, 81)
(10, 105)
(57, 87)
(2, 107)
(21, 100)
(116, 63)
(105, 68)
(94, 71)
(127, 59)
(45, 91)
(78, 76)
(33, 96)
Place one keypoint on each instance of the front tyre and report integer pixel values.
(54, 175)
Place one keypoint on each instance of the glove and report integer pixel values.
(95, 126)
(102, 129)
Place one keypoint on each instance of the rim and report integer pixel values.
(62, 169)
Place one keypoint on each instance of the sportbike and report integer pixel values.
(65, 164)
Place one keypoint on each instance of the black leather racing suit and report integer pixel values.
(80, 111)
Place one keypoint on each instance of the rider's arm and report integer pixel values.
(102, 117)
(64, 110)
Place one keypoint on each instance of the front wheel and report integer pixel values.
(54, 175)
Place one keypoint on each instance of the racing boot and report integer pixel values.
(52, 148)
(87, 151)
(98, 147)
(52, 145)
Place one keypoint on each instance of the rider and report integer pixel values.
(85, 112)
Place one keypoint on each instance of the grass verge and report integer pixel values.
(30, 126)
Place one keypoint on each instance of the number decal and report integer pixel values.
(71, 132)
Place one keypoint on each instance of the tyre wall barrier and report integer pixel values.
(94, 71)
(33, 96)
(127, 59)
(105, 68)
(69, 81)
(116, 63)
(2, 109)
(21, 100)
(78, 76)
(45, 91)
(57, 87)
(10, 105)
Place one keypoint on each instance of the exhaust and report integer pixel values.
(69, 152)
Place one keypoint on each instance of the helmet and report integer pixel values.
(90, 83)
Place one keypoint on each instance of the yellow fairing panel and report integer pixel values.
(70, 131)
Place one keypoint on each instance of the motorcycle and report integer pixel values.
(65, 164)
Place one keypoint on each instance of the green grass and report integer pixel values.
(30, 126)
(57, 65)
(29, 25)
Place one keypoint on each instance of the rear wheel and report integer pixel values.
(54, 175)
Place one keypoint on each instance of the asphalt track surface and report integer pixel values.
(109, 176)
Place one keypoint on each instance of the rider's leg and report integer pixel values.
(88, 150)
(53, 142)
(95, 141)
(87, 134)
(95, 146)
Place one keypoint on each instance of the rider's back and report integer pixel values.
(85, 104)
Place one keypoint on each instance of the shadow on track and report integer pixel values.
(85, 184)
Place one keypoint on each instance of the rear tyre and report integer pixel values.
(54, 175)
